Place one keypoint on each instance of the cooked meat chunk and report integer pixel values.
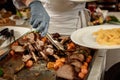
(66, 72)
(49, 51)
(23, 41)
(79, 57)
(26, 57)
(31, 37)
(18, 48)
(76, 63)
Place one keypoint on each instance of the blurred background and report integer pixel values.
(110, 5)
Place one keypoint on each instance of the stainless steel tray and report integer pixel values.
(39, 67)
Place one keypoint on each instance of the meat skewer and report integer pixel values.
(44, 56)
(40, 52)
(31, 50)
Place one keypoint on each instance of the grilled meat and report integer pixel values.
(66, 72)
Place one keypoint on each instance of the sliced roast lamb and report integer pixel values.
(31, 37)
(76, 63)
(79, 57)
(66, 72)
(23, 41)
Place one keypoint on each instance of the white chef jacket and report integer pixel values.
(64, 16)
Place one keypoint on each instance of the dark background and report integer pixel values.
(8, 5)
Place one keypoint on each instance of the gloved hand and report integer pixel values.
(39, 17)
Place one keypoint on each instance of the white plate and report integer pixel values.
(84, 37)
(18, 32)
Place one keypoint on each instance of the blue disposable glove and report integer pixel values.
(39, 17)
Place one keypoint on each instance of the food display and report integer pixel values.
(34, 57)
(4, 18)
(108, 36)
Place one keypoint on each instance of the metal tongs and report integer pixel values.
(57, 44)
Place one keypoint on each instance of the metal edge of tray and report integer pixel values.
(97, 72)
(91, 64)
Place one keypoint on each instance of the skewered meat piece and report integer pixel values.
(31, 51)
(33, 56)
(79, 57)
(40, 51)
(31, 37)
(66, 72)
(26, 57)
(44, 56)
(50, 51)
(37, 35)
(77, 64)
(64, 39)
(31, 48)
(39, 43)
(18, 48)
(22, 41)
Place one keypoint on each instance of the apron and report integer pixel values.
(65, 16)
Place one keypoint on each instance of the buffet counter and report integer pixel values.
(99, 64)
(104, 59)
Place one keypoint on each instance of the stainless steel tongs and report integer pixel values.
(57, 44)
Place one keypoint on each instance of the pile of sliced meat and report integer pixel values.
(71, 64)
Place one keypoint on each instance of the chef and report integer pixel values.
(64, 16)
